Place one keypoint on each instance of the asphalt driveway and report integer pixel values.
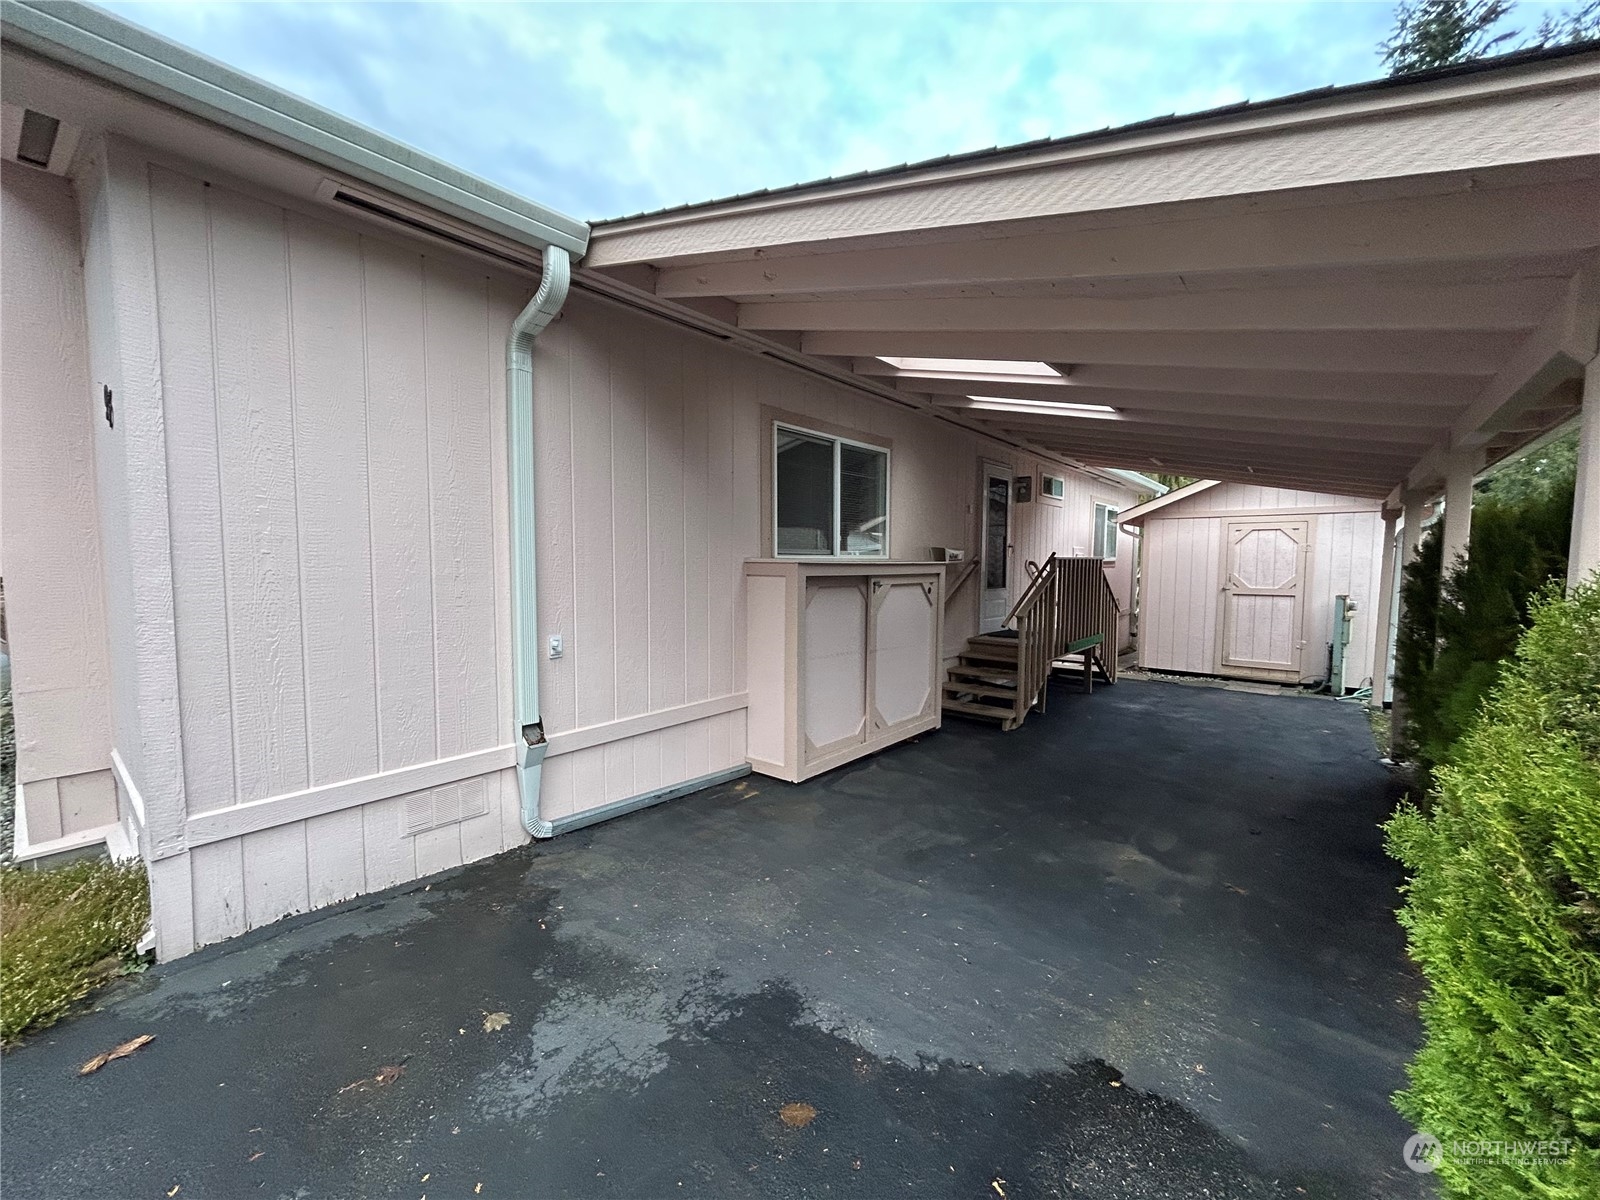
(1142, 947)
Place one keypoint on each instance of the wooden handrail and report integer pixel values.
(1067, 600)
(1037, 583)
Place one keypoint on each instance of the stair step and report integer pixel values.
(988, 655)
(986, 674)
(964, 688)
(995, 639)
(989, 711)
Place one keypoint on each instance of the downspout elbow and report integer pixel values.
(554, 284)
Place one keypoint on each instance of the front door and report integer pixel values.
(995, 520)
(1262, 591)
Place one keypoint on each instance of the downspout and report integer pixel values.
(530, 323)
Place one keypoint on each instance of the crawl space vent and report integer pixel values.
(448, 805)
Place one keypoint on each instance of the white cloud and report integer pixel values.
(605, 109)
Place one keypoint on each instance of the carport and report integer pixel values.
(1375, 290)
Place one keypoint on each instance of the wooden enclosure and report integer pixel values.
(1239, 581)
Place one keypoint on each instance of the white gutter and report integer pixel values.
(530, 323)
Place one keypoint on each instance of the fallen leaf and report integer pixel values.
(995, 1184)
(495, 1021)
(1235, 888)
(424, 1179)
(174, 1190)
(797, 1114)
(1116, 1083)
(255, 1156)
(1199, 1069)
(385, 1076)
(477, 1189)
(122, 1051)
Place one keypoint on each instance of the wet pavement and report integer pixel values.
(1142, 947)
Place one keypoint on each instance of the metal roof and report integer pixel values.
(1150, 124)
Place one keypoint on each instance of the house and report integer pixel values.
(1252, 582)
(362, 519)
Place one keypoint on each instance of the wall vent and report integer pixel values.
(37, 139)
(448, 805)
(430, 225)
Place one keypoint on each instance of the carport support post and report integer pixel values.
(1584, 556)
(1381, 623)
(1460, 469)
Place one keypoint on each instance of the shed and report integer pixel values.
(1245, 582)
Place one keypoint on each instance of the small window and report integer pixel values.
(1053, 486)
(830, 496)
(1105, 532)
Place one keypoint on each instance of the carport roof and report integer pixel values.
(1341, 290)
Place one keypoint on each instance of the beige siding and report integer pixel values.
(49, 535)
(1180, 612)
(334, 477)
(650, 444)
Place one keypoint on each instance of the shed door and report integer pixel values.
(1262, 593)
(994, 544)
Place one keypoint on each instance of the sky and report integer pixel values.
(602, 110)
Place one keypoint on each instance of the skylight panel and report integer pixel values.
(1045, 406)
(974, 366)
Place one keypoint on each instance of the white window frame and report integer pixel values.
(1044, 491)
(838, 540)
(1107, 522)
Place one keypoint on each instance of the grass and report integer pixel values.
(63, 932)
(1382, 729)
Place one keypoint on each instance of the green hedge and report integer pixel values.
(1502, 914)
(1455, 632)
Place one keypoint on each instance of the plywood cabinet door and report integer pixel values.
(833, 665)
(903, 651)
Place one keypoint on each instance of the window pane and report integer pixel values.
(996, 514)
(805, 494)
(863, 499)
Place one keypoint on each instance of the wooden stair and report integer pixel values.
(1066, 618)
(983, 683)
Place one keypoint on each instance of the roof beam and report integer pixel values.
(1268, 443)
(1384, 351)
(1446, 391)
(965, 393)
(1200, 460)
(1264, 478)
(1380, 422)
(1552, 354)
(1490, 223)
(1483, 306)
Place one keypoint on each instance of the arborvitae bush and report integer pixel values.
(1453, 638)
(1502, 915)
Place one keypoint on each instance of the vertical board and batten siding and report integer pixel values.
(55, 593)
(650, 446)
(335, 468)
(334, 478)
(1180, 610)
